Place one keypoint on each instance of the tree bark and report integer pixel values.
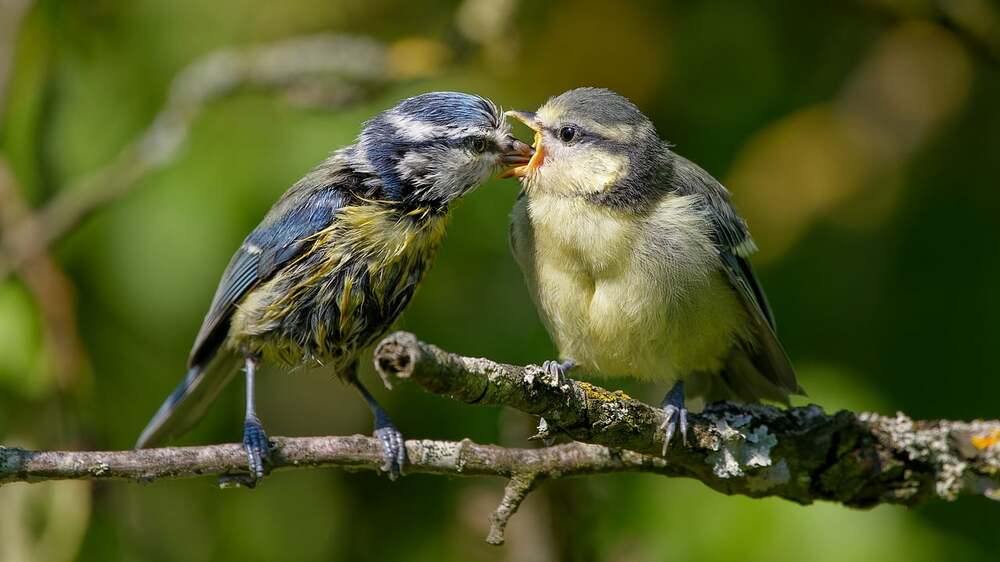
(801, 454)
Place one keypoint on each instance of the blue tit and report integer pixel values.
(637, 261)
(338, 257)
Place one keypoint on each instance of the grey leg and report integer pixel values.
(255, 440)
(393, 444)
(676, 415)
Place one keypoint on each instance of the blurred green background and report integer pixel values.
(861, 140)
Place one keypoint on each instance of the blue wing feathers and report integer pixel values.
(305, 209)
(278, 239)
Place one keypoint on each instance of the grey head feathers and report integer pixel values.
(455, 110)
(612, 123)
(602, 106)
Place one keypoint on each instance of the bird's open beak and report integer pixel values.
(516, 154)
(536, 158)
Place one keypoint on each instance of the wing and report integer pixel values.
(519, 233)
(521, 239)
(303, 211)
(735, 244)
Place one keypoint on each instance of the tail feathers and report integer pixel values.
(751, 383)
(188, 402)
(742, 380)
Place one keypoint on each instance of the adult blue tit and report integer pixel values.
(337, 259)
(637, 261)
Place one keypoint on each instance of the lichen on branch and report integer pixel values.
(802, 454)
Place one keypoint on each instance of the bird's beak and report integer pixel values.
(515, 155)
(536, 158)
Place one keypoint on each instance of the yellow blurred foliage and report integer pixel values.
(615, 46)
(917, 75)
(837, 159)
(417, 57)
(793, 170)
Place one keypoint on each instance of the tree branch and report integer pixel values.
(800, 454)
(356, 452)
(518, 488)
(525, 467)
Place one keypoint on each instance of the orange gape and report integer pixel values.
(536, 160)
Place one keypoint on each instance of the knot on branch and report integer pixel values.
(395, 357)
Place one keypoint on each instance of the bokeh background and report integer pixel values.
(861, 140)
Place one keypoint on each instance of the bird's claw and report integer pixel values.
(675, 419)
(675, 415)
(393, 450)
(257, 447)
(557, 370)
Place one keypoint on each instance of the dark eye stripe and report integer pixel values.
(465, 142)
(453, 142)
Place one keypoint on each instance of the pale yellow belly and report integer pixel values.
(620, 310)
(635, 326)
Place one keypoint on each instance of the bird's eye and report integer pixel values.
(477, 144)
(566, 134)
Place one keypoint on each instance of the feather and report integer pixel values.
(766, 353)
(304, 210)
(735, 244)
(339, 255)
(188, 402)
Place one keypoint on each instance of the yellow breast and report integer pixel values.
(626, 295)
(324, 284)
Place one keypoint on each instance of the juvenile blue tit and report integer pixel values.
(338, 257)
(637, 261)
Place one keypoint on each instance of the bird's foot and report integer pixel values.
(675, 415)
(257, 447)
(557, 369)
(393, 448)
(391, 440)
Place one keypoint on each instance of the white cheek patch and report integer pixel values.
(577, 169)
(454, 171)
(413, 166)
